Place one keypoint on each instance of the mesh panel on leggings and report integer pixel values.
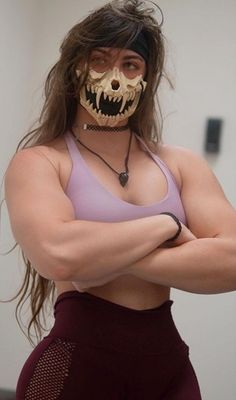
(51, 371)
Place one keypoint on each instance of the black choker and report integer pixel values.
(90, 127)
(123, 176)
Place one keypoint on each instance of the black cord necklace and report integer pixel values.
(123, 176)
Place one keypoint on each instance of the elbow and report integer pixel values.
(48, 262)
(51, 261)
(57, 263)
(227, 270)
(65, 267)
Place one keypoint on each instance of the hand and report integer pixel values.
(185, 236)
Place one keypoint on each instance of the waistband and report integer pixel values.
(91, 320)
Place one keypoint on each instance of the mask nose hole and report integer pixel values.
(115, 84)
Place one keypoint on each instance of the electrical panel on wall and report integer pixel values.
(213, 135)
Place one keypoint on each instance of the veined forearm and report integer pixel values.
(92, 250)
(204, 266)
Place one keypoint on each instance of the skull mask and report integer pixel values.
(110, 97)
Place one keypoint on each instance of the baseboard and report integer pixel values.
(7, 394)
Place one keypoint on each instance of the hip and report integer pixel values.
(91, 320)
(97, 337)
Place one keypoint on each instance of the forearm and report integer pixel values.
(205, 266)
(92, 250)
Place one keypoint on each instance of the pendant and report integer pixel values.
(123, 178)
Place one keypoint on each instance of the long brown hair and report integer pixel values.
(120, 22)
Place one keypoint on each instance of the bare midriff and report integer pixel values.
(126, 290)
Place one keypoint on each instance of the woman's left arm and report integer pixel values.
(206, 265)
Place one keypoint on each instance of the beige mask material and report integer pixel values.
(110, 97)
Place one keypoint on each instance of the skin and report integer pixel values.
(131, 64)
(211, 219)
(127, 262)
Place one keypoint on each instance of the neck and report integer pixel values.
(91, 127)
(101, 141)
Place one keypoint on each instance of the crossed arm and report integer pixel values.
(203, 259)
(206, 262)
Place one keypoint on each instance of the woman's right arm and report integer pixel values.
(60, 247)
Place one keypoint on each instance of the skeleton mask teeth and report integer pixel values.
(121, 106)
(106, 104)
(102, 101)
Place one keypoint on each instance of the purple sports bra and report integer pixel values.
(93, 202)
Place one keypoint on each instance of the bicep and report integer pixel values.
(208, 211)
(37, 206)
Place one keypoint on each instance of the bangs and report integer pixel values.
(112, 31)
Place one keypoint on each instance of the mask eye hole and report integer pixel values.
(96, 76)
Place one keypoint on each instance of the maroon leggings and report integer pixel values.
(101, 350)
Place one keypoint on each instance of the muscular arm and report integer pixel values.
(207, 264)
(61, 247)
(93, 250)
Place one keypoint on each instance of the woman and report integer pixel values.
(112, 219)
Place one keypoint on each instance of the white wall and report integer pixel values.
(202, 48)
(18, 44)
(202, 58)
(202, 61)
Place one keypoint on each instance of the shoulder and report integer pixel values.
(185, 161)
(52, 158)
(51, 153)
(180, 154)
